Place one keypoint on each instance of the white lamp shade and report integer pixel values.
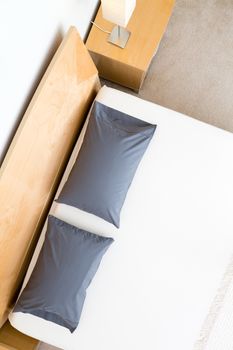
(118, 11)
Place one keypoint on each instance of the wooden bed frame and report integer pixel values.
(36, 159)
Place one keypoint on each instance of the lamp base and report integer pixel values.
(119, 36)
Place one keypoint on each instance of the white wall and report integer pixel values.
(30, 31)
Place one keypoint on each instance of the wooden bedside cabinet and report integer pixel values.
(128, 66)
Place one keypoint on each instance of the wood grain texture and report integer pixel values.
(11, 339)
(128, 66)
(35, 161)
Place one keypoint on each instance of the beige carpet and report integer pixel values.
(192, 71)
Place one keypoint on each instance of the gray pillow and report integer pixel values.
(66, 265)
(113, 146)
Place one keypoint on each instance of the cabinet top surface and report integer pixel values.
(147, 26)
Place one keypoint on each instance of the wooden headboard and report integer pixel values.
(36, 159)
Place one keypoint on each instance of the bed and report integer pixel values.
(164, 281)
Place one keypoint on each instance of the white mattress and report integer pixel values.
(158, 281)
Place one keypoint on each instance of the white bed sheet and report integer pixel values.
(157, 282)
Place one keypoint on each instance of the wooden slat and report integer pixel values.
(37, 156)
(11, 339)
